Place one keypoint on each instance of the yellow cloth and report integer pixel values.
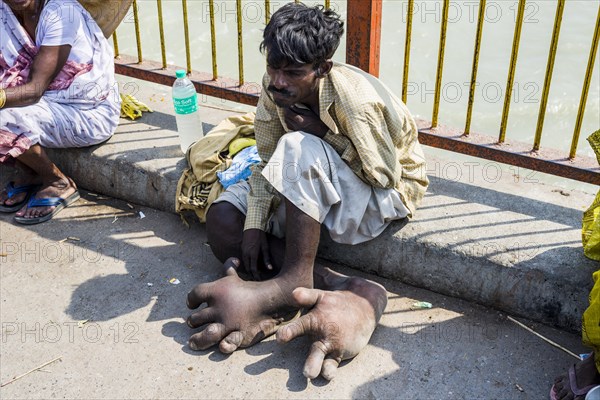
(590, 329)
(108, 14)
(590, 230)
(198, 186)
(369, 127)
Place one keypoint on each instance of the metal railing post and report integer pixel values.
(409, 15)
(549, 69)
(511, 71)
(363, 34)
(440, 64)
(586, 87)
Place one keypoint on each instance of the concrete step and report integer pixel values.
(498, 237)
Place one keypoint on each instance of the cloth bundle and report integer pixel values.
(199, 186)
(240, 167)
(108, 14)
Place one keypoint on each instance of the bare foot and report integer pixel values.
(341, 320)
(239, 313)
(586, 375)
(60, 188)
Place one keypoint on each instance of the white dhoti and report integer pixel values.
(311, 175)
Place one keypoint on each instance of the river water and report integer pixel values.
(571, 61)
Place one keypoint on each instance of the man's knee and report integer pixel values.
(296, 153)
(294, 141)
(224, 230)
(224, 218)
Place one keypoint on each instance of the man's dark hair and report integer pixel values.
(297, 34)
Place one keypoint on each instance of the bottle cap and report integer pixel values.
(180, 73)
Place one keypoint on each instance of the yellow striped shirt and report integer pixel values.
(369, 127)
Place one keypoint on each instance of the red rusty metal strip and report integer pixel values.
(363, 34)
(223, 88)
(549, 161)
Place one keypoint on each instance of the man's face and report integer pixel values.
(293, 84)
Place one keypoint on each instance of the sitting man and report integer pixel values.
(339, 151)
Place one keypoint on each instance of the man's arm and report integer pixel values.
(268, 130)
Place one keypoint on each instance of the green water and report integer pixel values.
(571, 60)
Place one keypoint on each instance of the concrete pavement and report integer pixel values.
(93, 287)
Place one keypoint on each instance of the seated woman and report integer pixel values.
(57, 90)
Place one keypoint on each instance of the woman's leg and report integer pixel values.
(53, 182)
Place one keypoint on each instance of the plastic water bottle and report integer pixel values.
(185, 100)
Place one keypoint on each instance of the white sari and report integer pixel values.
(81, 106)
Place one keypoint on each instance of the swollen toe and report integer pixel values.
(314, 362)
(204, 316)
(231, 265)
(330, 367)
(210, 336)
(310, 371)
(231, 343)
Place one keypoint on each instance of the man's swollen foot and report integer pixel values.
(579, 379)
(238, 313)
(341, 319)
(60, 187)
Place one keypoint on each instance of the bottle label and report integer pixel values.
(187, 105)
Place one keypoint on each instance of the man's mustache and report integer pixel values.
(284, 92)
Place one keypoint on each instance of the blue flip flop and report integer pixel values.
(12, 190)
(58, 202)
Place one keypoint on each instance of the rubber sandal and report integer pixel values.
(58, 202)
(577, 392)
(593, 394)
(12, 190)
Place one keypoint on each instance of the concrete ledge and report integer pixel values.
(481, 234)
(517, 253)
(141, 163)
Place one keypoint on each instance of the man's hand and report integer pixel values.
(255, 244)
(304, 119)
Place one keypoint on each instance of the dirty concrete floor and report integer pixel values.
(93, 288)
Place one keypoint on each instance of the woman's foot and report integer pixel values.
(60, 188)
(580, 378)
(20, 185)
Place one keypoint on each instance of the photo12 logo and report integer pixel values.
(468, 11)
(69, 332)
(64, 252)
(490, 92)
(250, 11)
